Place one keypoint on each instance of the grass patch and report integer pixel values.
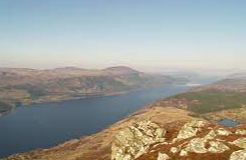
(213, 101)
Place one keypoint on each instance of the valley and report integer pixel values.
(183, 127)
(122, 80)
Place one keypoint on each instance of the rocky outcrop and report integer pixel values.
(174, 150)
(197, 138)
(217, 147)
(241, 132)
(196, 145)
(162, 156)
(223, 132)
(190, 129)
(135, 140)
(241, 142)
(204, 145)
(238, 155)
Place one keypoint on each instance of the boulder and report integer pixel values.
(196, 145)
(133, 141)
(174, 149)
(241, 132)
(238, 155)
(217, 147)
(223, 132)
(162, 156)
(190, 129)
(147, 137)
(210, 135)
(241, 142)
(183, 153)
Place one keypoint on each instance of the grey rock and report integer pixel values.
(241, 142)
(162, 156)
(196, 145)
(190, 129)
(223, 132)
(217, 147)
(183, 153)
(241, 132)
(174, 149)
(133, 141)
(238, 155)
(210, 135)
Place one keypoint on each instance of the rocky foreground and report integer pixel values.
(196, 139)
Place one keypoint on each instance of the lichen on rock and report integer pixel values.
(133, 141)
(174, 149)
(238, 155)
(187, 141)
(162, 156)
(241, 132)
(241, 142)
(223, 132)
(210, 135)
(190, 129)
(217, 147)
(196, 145)
(183, 153)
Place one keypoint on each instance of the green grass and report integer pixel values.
(214, 101)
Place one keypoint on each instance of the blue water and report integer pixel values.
(228, 122)
(45, 125)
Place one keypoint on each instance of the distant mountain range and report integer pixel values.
(26, 86)
(238, 75)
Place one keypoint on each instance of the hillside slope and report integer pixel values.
(26, 86)
(223, 99)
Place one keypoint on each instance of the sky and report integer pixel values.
(145, 34)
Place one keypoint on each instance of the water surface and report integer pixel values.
(45, 125)
(228, 122)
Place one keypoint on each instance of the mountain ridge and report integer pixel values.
(27, 86)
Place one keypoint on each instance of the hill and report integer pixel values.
(121, 70)
(223, 99)
(26, 86)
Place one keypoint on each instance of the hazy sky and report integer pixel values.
(138, 33)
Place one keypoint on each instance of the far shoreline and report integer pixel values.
(83, 97)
